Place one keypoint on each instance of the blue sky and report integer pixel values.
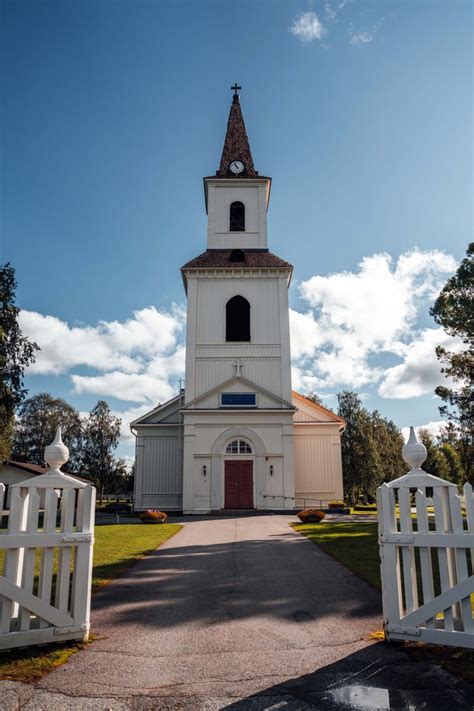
(113, 111)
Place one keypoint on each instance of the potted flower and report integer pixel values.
(153, 516)
(311, 516)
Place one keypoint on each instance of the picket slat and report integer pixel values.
(408, 552)
(426, 566)
(445, 569)
(32, 503)
(82, 579)
(391, 561)
(63, 577)
(14, 558)
(464, 607)
(47, 554)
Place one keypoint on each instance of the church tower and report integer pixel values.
(238, 413)
(237, 437)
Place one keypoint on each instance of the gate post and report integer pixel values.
(417, 604)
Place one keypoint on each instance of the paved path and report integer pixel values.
(242, 614)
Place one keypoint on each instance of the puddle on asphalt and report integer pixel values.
(361, 697)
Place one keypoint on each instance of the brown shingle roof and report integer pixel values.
(236, 144)
(221, 259)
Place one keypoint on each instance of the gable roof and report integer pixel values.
(316, 412)
(161, 412)
(244, 381)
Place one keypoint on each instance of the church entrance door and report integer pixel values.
(238, 490)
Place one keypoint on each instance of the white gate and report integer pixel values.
(46, 582)
(427, 556)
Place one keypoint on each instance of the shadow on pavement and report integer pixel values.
(377, 677)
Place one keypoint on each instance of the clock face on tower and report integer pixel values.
(236, 167)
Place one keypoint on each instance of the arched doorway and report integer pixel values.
(238, 475)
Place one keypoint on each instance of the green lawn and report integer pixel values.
(116, 549)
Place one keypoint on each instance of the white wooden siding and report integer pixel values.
(261, 293)
(159, 472)
(318, 466)
(220, 198)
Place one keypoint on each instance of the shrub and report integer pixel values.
(311, 515)
(153, 515)
(336, 505)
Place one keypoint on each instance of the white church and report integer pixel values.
(237, 436)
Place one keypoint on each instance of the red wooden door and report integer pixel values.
(238, 493)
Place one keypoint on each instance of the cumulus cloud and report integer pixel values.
(307, 27)
(138, 360)
(107, 346)
(353, 317)
(420, 371)
(151, 386)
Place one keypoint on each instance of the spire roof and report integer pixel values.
(236, 144)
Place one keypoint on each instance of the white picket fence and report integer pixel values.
(427, 556)
(54, 605)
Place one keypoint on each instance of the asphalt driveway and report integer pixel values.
(242, 613)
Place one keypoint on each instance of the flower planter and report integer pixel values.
(150, 521)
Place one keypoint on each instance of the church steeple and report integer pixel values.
(236, 151)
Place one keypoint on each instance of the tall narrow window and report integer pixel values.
(237, 319)
(237, 217)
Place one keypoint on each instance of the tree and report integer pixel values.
(371, 448)
(101, 436)
(388, 442)
(359, 455)
(314, 397)
(38, 418)
(435, 462)
(454, 311)
(16, 354)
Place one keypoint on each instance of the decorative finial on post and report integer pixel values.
(414, 452)
(56, 454)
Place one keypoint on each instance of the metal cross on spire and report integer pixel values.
(236, 88)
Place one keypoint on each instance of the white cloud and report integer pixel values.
(138, 360)
(434, 428)
(151, 386)
(307, 27)
(353, 317)
(107, 346)
(420, 371)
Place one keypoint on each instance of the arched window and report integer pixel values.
(237, 217)
(237, 256)
(238, 446)
(237, 319)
